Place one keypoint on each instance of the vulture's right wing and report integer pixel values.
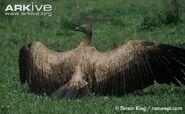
(43, 68)
(137, 65)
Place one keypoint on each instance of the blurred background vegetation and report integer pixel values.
(113, 22)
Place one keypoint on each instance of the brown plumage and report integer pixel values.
(84, 70)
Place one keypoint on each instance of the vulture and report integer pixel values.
(85, 71)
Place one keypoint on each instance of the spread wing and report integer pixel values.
(136, 65)
(43, 69)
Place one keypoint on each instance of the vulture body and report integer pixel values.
(84, 70)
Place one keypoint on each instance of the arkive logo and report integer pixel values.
(28, 9)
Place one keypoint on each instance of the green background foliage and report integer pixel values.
(114, 23)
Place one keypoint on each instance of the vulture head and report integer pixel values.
(86, 29)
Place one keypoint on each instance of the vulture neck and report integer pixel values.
(87, 41)
(88, 38)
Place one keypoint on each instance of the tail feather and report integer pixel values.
(69, 92)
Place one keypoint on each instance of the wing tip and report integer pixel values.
(23, 56)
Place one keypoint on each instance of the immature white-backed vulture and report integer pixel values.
(84, 70)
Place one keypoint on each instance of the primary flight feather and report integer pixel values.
(84, 70)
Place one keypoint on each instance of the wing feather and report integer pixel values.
(42, 68)
(141, 63)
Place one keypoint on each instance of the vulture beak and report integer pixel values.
(77, 29)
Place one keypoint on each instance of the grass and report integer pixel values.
(114, 23)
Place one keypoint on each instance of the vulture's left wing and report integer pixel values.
(45, 70)
(136, 65)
